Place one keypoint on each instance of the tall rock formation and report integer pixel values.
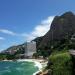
(62, 27)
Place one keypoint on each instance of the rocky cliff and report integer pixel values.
(62, 27)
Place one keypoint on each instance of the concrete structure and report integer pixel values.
(72, 52)
(30, 49)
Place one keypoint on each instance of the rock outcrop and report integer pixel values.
(62, 27)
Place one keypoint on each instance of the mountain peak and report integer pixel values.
(69, 13)
(61, 27)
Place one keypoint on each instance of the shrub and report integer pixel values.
(61, 63)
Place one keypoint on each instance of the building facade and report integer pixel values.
(30, 49)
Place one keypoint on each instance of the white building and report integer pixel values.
(30, 49)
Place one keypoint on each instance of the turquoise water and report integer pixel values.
(17, 68)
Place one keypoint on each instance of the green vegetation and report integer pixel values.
(10, 57)
(2, 56)
(6, 56)
(60, 62)
(35, 55)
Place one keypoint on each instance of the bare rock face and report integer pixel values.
(62, 27)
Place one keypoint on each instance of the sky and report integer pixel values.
(24, 20)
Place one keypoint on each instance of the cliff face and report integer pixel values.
(62, 27)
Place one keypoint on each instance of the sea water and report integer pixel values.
(17, 68)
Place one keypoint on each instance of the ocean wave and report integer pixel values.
(4, 71)
(19, 69)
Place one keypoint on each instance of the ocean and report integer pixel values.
(17, 68)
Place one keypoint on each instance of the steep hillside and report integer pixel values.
(62, 28)
(19, 49)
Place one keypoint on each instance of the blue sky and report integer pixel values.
(23, 20)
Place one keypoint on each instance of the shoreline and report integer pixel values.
(37, 63)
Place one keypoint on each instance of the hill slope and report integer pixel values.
(62, 28)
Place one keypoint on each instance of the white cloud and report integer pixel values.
(7, 32)
(40, 29)
(2, 38)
